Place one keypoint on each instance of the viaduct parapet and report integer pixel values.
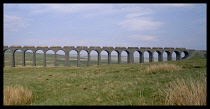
(129, 50)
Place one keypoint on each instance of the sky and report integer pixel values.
(117, 25)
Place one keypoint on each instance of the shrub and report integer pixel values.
(17, 96)
(161, 68)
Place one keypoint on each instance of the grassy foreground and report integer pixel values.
(117, 84)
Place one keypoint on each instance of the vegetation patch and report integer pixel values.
(194, 66)
(17, 95)
(163, 67)
(186, 92)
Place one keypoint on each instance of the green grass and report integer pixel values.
(197, 57)
(116, 84)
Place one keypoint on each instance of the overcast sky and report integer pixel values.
(126, 25)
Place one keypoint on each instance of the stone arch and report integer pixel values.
(173, 55)
(114, 57)
(148, 57)
(83, 58)
(178, 55)
(136, 55)
(60, 58)
(185, 54)
(60, 51)
(50, 54)
(7, 57)
(94, 57)
(104, 57)
(18, 57)
(39, 57)
(125, 59)
(165, 56)
(28, 57)
(182, 55)
(168, 55)
(6, 50)
(73, 58)
(155, 55)
(158, 56)
(141, 56)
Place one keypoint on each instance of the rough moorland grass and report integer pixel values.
(17, 95)
(163, 67)
(186, 91)
(183, 92)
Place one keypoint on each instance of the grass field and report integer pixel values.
(116, 84)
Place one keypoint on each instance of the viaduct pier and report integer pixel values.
(129, 50)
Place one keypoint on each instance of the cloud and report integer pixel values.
(87, 10)
(144, 37)
(140, 24)
(14, 23)
(65, 8)
(177, 5)
(133, 15)
(140, 20)
(91, 9)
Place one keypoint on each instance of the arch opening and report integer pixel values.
(18, 57)
(159, 57)
(124, 57)
(178, 55)
(156, 56)
(60, 58)
(136, 55)
(83, 58)
(7, 57)
(114, 57)
(165, 55)
(39, 58)
(184, 55)
(28, 57)
(147, 56)
(104, 57)
(73, 58)
(174, 55)
(50, 58)
(93, 58)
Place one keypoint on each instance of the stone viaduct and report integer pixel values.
(130, 53)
